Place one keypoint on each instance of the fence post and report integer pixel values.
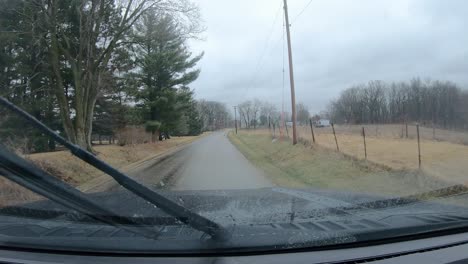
(419, 146)
(365, 145)
(334, 134)
(406, 124)
(312, 130)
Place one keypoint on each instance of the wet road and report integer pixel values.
(210, 163)
(213, 163)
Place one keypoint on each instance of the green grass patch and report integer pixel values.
(303, 166)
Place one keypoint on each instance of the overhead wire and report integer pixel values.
(302, 11)
(278, 41)
(259, 64)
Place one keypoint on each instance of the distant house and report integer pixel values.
(322, 123)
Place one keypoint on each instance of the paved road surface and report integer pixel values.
(210, 163)
(213, 163)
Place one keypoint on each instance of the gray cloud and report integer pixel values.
(336, 44)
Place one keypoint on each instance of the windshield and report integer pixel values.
(238, 126)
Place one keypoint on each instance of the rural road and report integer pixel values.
(210, 163)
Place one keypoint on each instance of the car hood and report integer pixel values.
(260, 219)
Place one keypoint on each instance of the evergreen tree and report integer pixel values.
(166, 70)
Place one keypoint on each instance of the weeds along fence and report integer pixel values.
(395, 145)
(402, 131)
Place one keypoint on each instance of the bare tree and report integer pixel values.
(303, 114)
(245, 111)
(268, 112)
(427, 102)
(83, 37)
(256, 105)
(214, 115)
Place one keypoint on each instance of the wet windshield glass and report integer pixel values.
(237, 125)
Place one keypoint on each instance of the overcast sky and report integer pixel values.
(336, 43)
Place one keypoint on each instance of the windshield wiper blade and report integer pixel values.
(170, 207)
(30, 177)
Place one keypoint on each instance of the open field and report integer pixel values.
(394, 131)
(302, 167)
(442, 159)
(77, 173)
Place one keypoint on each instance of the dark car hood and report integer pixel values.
(260, 219)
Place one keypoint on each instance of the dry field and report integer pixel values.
(65, 166)
(443, 157)
(318, 167)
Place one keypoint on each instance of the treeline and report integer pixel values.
(254, 113)
(213, 115)
(94, 67)
(441, 103)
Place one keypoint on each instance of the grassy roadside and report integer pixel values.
(302, 166)
(75, 172)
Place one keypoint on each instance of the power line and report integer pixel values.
(302, 11)
(260, 60)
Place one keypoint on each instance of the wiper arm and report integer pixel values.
(179, 212)
(29, 176)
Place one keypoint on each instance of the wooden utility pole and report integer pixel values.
(235, 117)
(291, 73)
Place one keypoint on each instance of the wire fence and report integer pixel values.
(395, 146)
(393, 131)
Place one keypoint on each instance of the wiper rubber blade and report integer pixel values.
(172, 208)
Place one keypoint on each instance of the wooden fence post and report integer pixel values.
(365, 145)
(406, 125)
(336, 141)
(419, 146)
(312, 130)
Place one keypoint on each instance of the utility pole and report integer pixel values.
(291, 73)
(235, 117)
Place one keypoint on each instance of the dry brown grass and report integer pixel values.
(395, 131)
(72, 170)
(318, 167)
(443, 159)
(12, 193)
